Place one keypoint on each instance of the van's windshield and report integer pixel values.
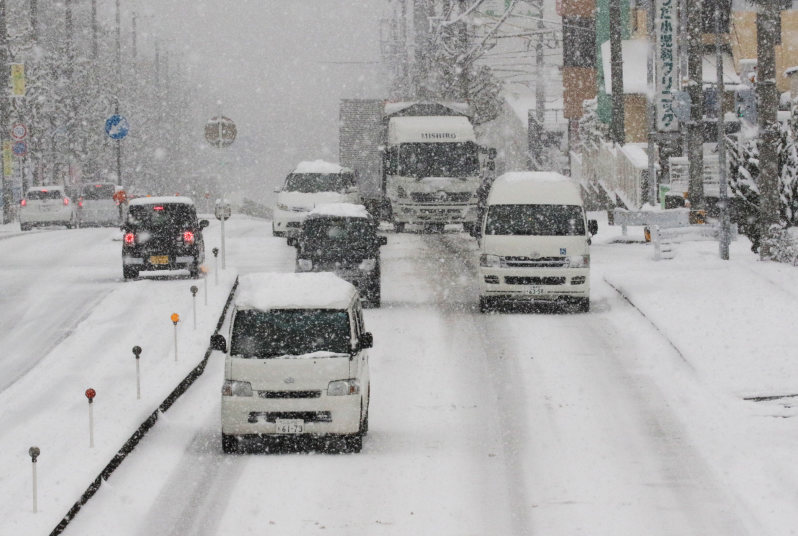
(281, 332)
(536, 220)
(310, 183)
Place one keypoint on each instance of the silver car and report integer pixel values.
(47, 205)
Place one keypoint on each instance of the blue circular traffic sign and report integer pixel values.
(19, 148)
(116, 127)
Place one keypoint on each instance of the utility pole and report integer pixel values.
(695, 132)
(464, 70)
(651, 112)
(768, 98)
(4, 106)
(617, 125)
(95, 48)
(723, 201)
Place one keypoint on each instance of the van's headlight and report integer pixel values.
(283, 206)
(579, 261)
(367, 265)
(236, 388)
(306, 265)
(491, 261)
(343, 387)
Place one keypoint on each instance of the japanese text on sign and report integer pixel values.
(666, 66)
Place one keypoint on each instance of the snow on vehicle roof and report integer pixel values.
(272, 290)
(430, 129)
(320, 166)
(45, 187)
(522, 187)
(340, 210)
(161, 199)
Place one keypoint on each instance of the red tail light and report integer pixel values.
(188, 237)
(129, 238)
(80, 202)
(66, 201)
(23, 203)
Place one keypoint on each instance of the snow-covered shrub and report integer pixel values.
(782, 245)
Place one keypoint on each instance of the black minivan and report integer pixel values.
(162, 233)
(342, 238)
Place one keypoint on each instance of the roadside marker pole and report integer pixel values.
(34, 452)
(216, 266)
(90, 394)
(194, 291)
(175, 320)
(137, 353)
(205, 282)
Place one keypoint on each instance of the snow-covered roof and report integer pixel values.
(320, 166)
(395, 107)
(45, 187)
(521, 99)
(271, 290)
(636, 154)
(340, 210)
(161, 199)
(710, 70)
(635, 65)
(529, 187)
(430, 129)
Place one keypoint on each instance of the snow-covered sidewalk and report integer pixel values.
(733, 321)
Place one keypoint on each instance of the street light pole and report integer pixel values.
(723, 201)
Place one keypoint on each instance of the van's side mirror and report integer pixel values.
(592, 226)
(204, 223)
(383, 240)
(218, 343)
(366, 340)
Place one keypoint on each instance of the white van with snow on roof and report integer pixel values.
(535, 243)
(297, 366)
(309, 184)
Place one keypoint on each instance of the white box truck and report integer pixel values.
(416, 162)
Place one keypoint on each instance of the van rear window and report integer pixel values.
(280, 332)
(535, 220)
(98, 191)
(38, 195)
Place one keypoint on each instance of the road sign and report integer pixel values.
(19, 148)
(220, 131)
(19, 131)
(117, 127)
(222, 209)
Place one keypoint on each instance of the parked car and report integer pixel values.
(535, 242)
(310, 184)
(162, 233)
(297, 368)
(98, 205)
(342, 238)
(47, 205)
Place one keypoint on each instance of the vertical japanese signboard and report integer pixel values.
(18, 79)
(666, 61)
(8, 160)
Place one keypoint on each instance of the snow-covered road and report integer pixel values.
(520, 423)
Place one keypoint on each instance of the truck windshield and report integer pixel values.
(536, 220)
(279, 332)
(319, 182)
(421, 160)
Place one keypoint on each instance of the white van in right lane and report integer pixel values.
(535, 243)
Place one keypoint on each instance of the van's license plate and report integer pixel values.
(159, 259)
(534, 291)
(289, 426)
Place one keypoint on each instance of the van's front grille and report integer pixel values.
(540, 262)
(289, 394)
(440, 197)
(517, 280)
(272, 416)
